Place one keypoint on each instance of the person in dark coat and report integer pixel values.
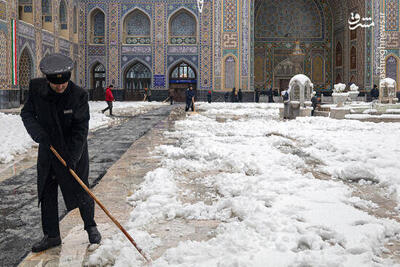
(270, 94)
(226, 96)
(375, 92)
(240, 95)
(189, 98)
(314, 102)
(209, 96)
(56, 114)
(109, 99)
(234, 95)
(171, 93)
(257, 96)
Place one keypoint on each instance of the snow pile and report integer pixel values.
(13, 137)
(339, 88)
(272, 211)
(353, 87)
(388, 82)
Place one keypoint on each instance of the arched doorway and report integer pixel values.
(25, 74)
(137, 77)
(181, 77)
(98, 82)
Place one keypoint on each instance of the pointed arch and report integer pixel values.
(183, 27)
(97, 26)
(338, 79)
(3, 57)
(339, 54)
(136, 27)
(25, 71)
(63, 19)
(230, 71)
(137, 75)
(75, 20)
(317, 69)
(392, 68)
(353, 58)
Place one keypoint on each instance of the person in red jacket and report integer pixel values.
(109, 99)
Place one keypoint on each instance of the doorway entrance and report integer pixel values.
(181, 77)
(25, 74)
(137, 77)
(98, 82)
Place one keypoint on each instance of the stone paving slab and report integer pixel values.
(20, 224)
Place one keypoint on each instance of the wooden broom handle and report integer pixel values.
(99, 203)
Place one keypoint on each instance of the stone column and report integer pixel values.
(37, 7)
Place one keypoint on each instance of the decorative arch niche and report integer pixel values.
(25, 10)
(63, 18)
(182, 28)
(25, 72)
(137, 28)
(318, 70)
(353, 58)
(47, 17)
(393, 69)
(230, 69)
(339, 55)
(97, 27)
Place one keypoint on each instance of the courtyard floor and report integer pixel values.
(234, 185)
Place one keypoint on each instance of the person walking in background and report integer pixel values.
(314, 102)
(209, 96)
(171, 93)
(270, 94)
(149, 94)
(240, 95)
(257, 95)
(233, 95)
(57, 114)
(226, 96)
(109, 99)
(189, 98)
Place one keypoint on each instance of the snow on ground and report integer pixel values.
(273, 212)
(15, 140)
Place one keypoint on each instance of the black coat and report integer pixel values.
(61, 120)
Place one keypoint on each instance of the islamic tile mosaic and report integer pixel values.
(3, 10)
(82, 41)
(217, 39)
(230, 15)
(27, 30)
(136, 50)
(96, 50)
(182, 49)
(245, 39)
(114, 45)
(230, 40)
(174, 7)
(3, 57)
(206, 47)
(131, 59)
(159, 63)
(286, 23)
(144, 7)
(392, 15)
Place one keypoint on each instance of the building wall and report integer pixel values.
(33, 39)
(225, 54)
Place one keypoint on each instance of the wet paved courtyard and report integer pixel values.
(20, 223)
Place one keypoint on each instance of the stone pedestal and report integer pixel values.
(339, 113)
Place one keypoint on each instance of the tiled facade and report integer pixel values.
(231, 43)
